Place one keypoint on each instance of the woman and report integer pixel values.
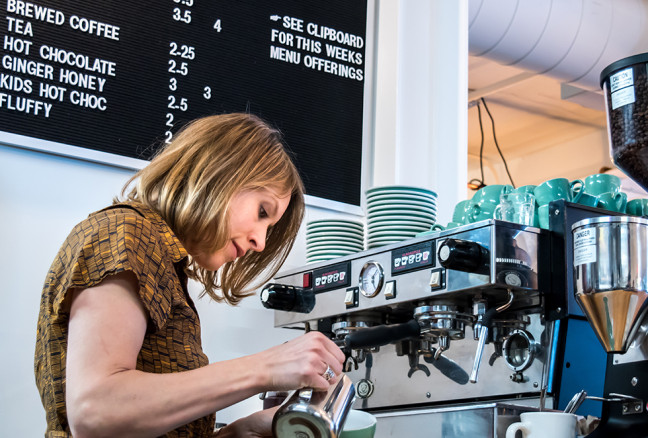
(118, 348)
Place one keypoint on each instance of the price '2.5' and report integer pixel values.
(181, 104)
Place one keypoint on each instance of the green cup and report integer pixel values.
(460, 211)
(637, 207)
(489, 197)
(543, 216)
(454, 225)
(588, 200)
(525, 189)
(477, 213)
(613, 201)
(558, 188)
(600, 183)
(359, 424)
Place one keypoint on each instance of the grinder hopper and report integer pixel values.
(611, 276)
(625, 85)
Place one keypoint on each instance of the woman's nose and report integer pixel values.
(258, 239)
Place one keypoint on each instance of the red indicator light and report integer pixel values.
(306, 282)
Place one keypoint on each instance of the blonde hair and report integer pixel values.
(192, 180)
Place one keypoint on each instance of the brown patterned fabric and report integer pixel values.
(123, 237)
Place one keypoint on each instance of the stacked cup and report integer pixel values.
(607, 189)
(484, 201)
(638, 207)
(552, 190)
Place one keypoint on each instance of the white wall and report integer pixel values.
(43, 196)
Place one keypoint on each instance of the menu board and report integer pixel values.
(122, 77)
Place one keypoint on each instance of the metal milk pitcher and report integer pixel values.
(315, 414)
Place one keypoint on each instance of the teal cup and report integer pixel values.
(359, 424)
(613, 201)
(489, 197)
(477, 213)
(525, 189)
(558, 188)
(600, 183)
(637, 207)
(543, 216)
(588, 200)
(454, 225)
(460, 211)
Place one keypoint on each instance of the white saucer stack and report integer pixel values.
(330, 238)
(396, 213)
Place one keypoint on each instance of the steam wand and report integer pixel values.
(483, 333)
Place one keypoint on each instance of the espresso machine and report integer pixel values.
(446, 334)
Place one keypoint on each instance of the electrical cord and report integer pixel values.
(494, 139)
(481, 146)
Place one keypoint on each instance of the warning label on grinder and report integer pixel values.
(584, 247)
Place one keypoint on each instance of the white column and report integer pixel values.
(421, 101)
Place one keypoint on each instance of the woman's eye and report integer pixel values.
(262, 212)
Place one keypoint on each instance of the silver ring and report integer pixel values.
(329, 373)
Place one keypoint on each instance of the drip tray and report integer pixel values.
(487, 420)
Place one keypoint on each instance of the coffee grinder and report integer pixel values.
(610, 259)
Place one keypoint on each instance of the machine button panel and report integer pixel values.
(413, 257)
(437, 279)
(351, 297)
(390, 290)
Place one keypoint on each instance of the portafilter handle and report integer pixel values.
(382, 335)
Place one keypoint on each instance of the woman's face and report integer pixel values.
(250, 214)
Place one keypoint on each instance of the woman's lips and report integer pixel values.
(239, 250)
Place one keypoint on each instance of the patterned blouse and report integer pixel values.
(123, 237)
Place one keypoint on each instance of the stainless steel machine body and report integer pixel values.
(453, 317)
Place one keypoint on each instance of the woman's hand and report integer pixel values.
(301, 363)
(258, 424)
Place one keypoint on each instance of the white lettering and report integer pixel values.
(284, 38)
(14, 83)
(328, 33)
(285, 55)
(84, 80)
(24, 66)
(72, 59)
(37, 12)
(24, 105)
(293, 24)
(52, 92)
(94, 27)
(19, 26)
(16, 45)
(88, 100)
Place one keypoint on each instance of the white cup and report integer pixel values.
(544, 425)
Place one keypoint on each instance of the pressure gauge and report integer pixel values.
(372, 279)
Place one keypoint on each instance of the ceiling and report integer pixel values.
(527, 108)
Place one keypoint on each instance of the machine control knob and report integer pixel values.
(287, 298)
(464, 255)
(364, 388)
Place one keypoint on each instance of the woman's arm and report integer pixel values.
(107, 396)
